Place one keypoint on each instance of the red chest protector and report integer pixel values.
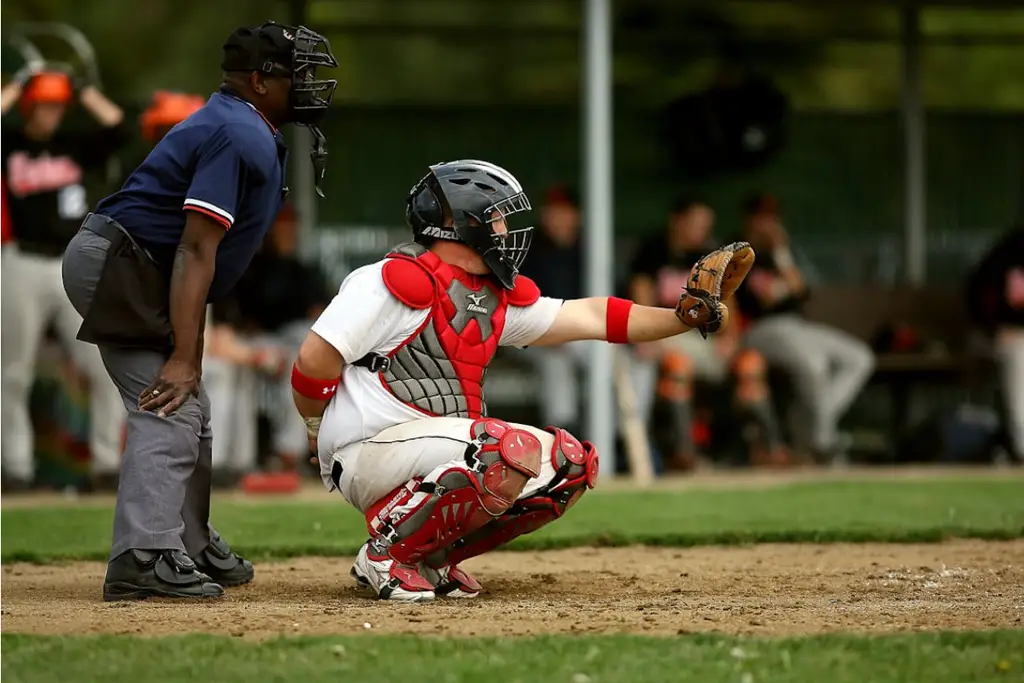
(439, 370)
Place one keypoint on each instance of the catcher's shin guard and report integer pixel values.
(429, 514)
(576, 466)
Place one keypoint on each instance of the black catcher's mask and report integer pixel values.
(480, 199)
(296, 53)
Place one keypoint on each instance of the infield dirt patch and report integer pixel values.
(761, 590)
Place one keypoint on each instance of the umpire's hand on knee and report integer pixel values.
(177, 381)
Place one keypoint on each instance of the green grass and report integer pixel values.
(898, 511)
(933, 657)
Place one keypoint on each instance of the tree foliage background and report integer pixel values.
(837, 56)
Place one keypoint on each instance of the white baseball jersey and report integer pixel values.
(364, 317)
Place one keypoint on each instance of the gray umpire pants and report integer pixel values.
(163, 500)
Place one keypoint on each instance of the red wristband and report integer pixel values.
(311, 387)
(617, 320)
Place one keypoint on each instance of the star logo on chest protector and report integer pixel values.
(470, 305)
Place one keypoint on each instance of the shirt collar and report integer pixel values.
(228, 92)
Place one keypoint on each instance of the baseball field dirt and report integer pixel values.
(765, 590)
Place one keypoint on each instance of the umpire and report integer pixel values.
(141, 270)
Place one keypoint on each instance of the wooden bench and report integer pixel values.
(938, 316)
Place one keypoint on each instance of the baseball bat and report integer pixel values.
(634, 431)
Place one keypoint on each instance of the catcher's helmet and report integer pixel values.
(466, 201)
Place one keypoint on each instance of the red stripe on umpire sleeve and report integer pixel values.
(220, 219)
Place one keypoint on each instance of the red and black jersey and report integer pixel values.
(45, 183)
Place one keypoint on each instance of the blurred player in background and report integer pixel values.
(390, 383)
(660, 267)
(166, 110)
(828, 366)
(44, 167)
(555, 264)
(254, 335)
(995, 290)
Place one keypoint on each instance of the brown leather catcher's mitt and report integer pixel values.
(713, 279)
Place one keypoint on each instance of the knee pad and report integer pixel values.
(576, 468)
(576, 462)
(430, 513)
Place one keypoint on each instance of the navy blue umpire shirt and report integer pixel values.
(225, 161)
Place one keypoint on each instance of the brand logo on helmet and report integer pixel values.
(287, 35)
(440, 233)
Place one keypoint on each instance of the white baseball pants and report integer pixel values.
(373, 468)
(32, 297)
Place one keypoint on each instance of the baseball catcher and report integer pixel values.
(390, 382)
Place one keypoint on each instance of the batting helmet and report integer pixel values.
(51, 87)
(167, 110)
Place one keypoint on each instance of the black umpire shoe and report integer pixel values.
(223, 565)
(141, 574)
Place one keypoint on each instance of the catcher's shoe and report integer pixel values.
(222, 564)
(141, 574)
(388, 579)
(451, 581)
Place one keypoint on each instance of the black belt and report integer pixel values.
(112, 231)
(105, 227)
(336, 470)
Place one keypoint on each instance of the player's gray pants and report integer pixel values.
(828, 368)
(32, 298)
(238, 394)
(163, 500)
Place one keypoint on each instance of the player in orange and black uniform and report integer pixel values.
(661, 266)
(44, 166)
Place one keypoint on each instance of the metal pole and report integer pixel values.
(303, 189)
(303, 183)
(597, 162)
(915, 249)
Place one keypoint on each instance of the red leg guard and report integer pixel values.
(577, 462)
(429, 514)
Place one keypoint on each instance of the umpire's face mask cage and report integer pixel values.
(484, 202)
(310, 97)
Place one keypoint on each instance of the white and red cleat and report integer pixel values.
(388, 579)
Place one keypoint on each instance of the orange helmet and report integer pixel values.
(49, 86)
(166, 111)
